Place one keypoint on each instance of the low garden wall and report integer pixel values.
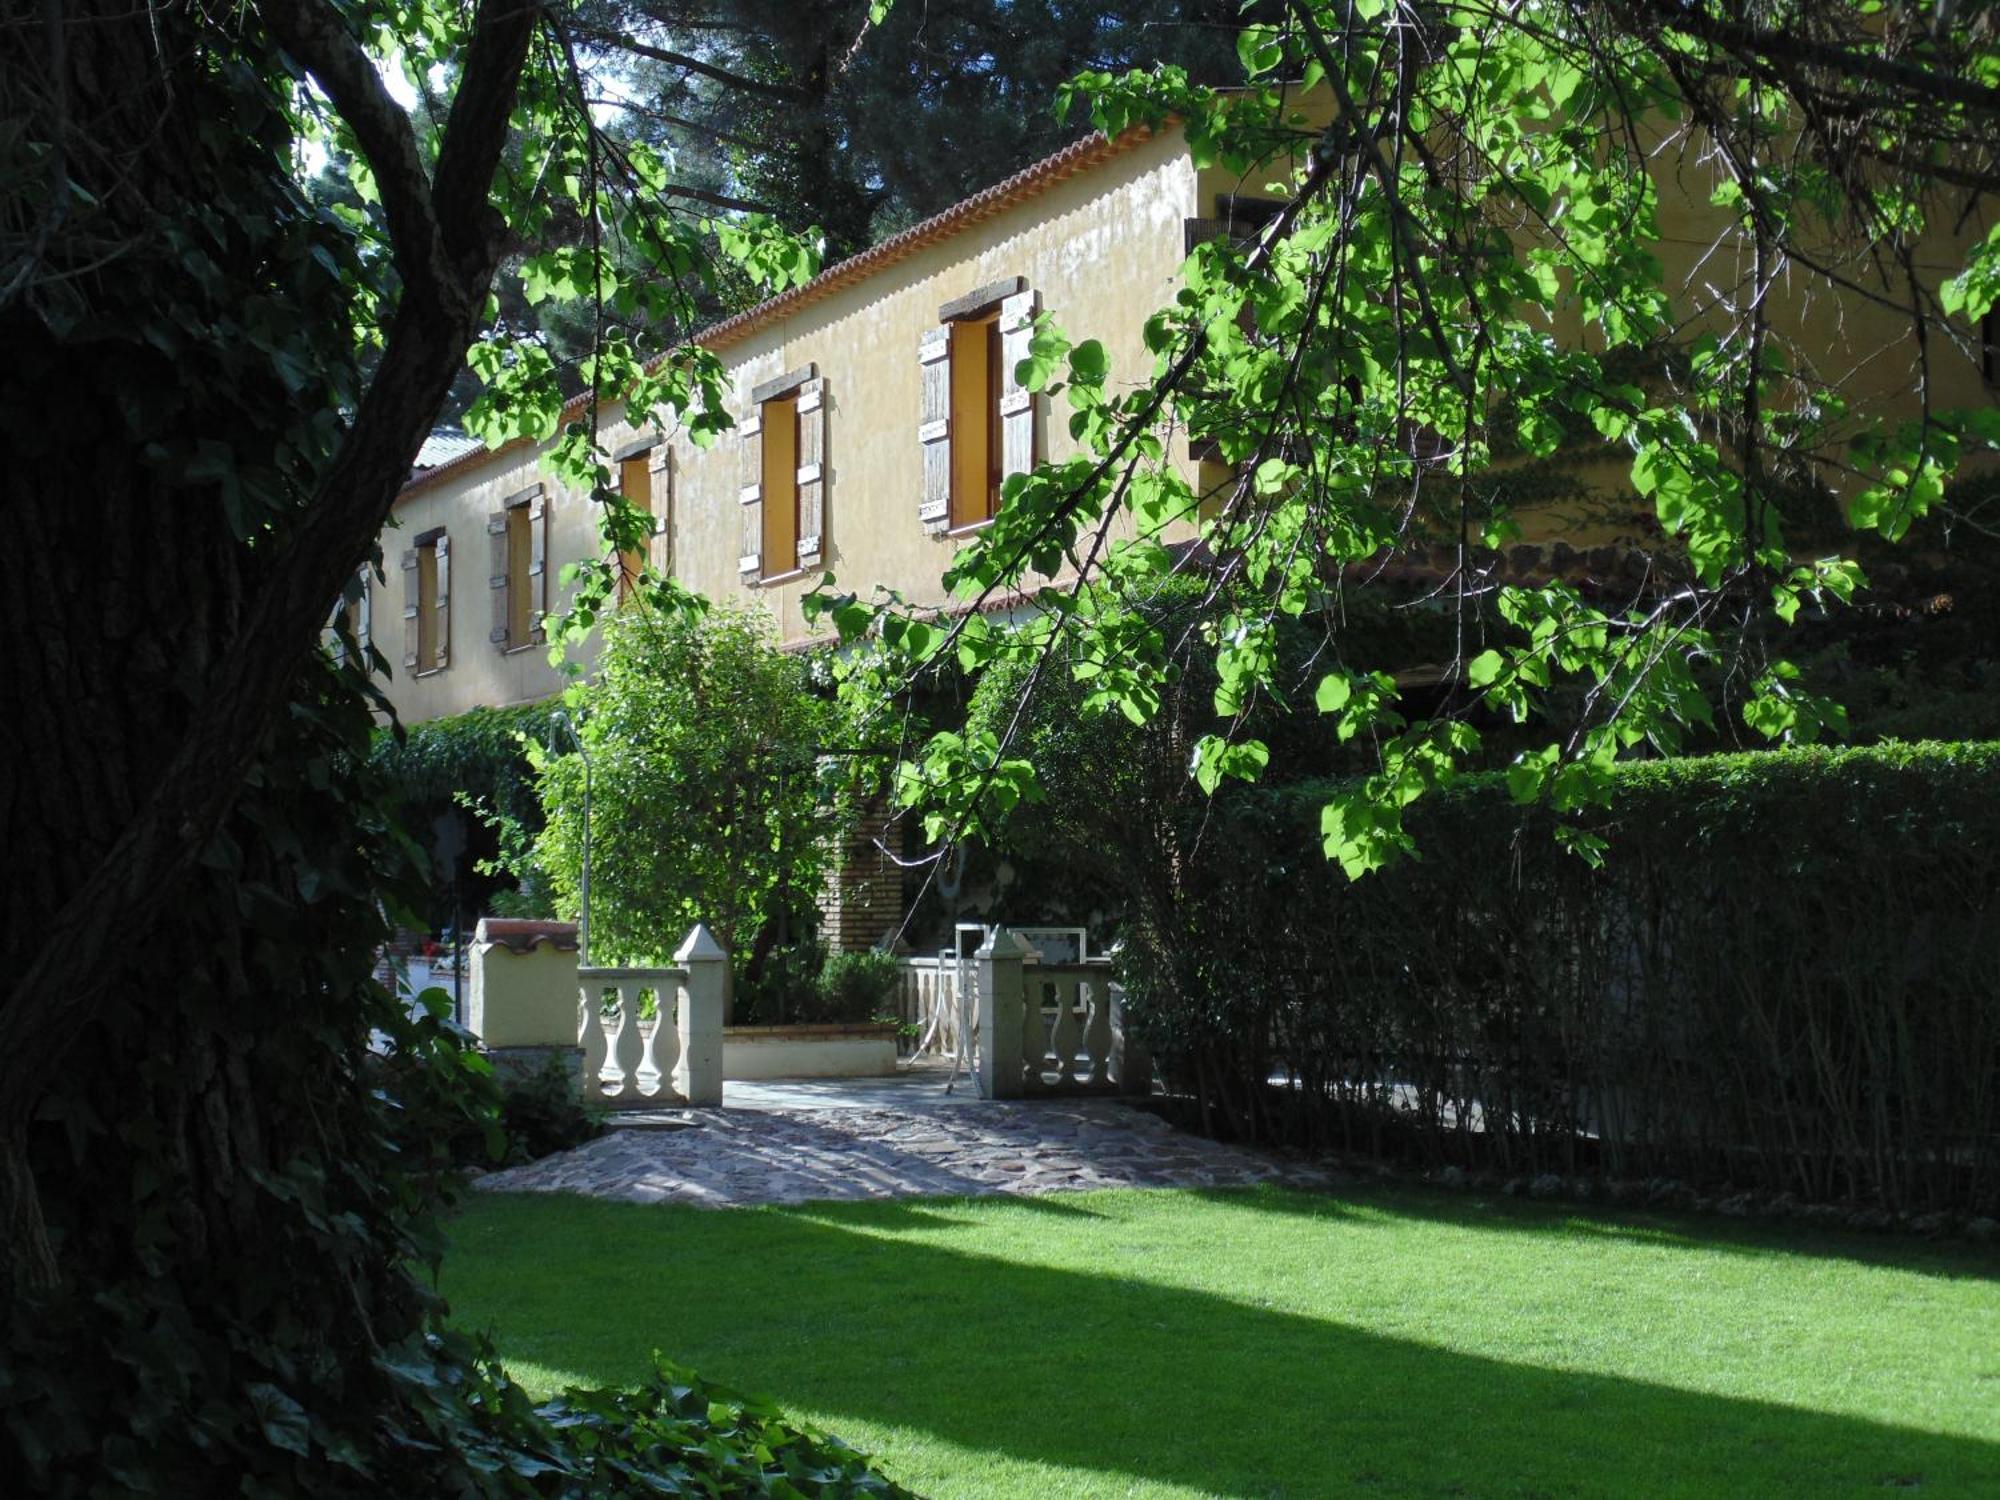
(1782, 979)
(865, 1050)
(524, 1007)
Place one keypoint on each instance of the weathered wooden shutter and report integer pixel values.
(660, 467)
(496, 579)
(934, 428)
(412, 601)
(812, 470)
(364, 635)
(443, 602)
(751, 495)
(538, 564)
(1020, 439)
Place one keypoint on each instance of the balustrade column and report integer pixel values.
(699, 1077)
(997, 966)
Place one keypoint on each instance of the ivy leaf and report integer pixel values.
(283, 1421)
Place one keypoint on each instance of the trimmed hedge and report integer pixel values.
(1783, 979)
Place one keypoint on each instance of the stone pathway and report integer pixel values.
(771, 1154)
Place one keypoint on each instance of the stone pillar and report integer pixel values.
(522, 990)
(698, 1076)
(1002, 992)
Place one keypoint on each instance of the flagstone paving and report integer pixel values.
(786, 1153)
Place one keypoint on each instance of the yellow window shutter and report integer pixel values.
(412, 593)
(751, 495)
(1020, 412)
(496, 579)
(812, 471)
(934, 428)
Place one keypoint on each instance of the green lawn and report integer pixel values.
(1266, 1343)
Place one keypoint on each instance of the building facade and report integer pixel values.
(877, 416)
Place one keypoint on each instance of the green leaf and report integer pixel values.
(281, 1419)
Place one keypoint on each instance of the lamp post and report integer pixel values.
(583, 926)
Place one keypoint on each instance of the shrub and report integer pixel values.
(542, 1112)
(710, 797)
(519, 1116)
(802, 986)
(1780, 979)
(857, 986)
(783, 987)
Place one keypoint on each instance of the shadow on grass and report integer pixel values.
(838, 1309)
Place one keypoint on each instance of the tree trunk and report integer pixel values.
(208, 1232)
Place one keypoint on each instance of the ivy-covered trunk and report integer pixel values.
(208, 1234)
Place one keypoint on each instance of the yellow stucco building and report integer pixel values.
(876, 416)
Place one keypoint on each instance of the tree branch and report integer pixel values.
(638, 48)
(318, 39)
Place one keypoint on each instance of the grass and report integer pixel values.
(1386, 1342)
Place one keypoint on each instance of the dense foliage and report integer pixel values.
(1779, 978)
(714, 794)
(1467, 273)
(481, 753)
(801, 984)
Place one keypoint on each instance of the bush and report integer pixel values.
(857, 986)
(710, 797)
(1780, 979)
(517, 1118)
(542, 1112)
(801, 986)
(782, 989)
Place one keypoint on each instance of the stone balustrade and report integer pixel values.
(1051, 1028)
(653, 1037)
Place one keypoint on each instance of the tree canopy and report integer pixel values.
(1468, 275)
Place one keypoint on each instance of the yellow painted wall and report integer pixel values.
(1103, 249)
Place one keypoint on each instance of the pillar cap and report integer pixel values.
(524, 934)
(699, 946)
(1001, 943)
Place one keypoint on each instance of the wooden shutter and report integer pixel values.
(538, 564)
(412, 592)
(364, 635)
(660, 471)
(934, 428)
(1020, 444)
(751, 495)
(812, 470)
(496, 579)
(443, 603)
